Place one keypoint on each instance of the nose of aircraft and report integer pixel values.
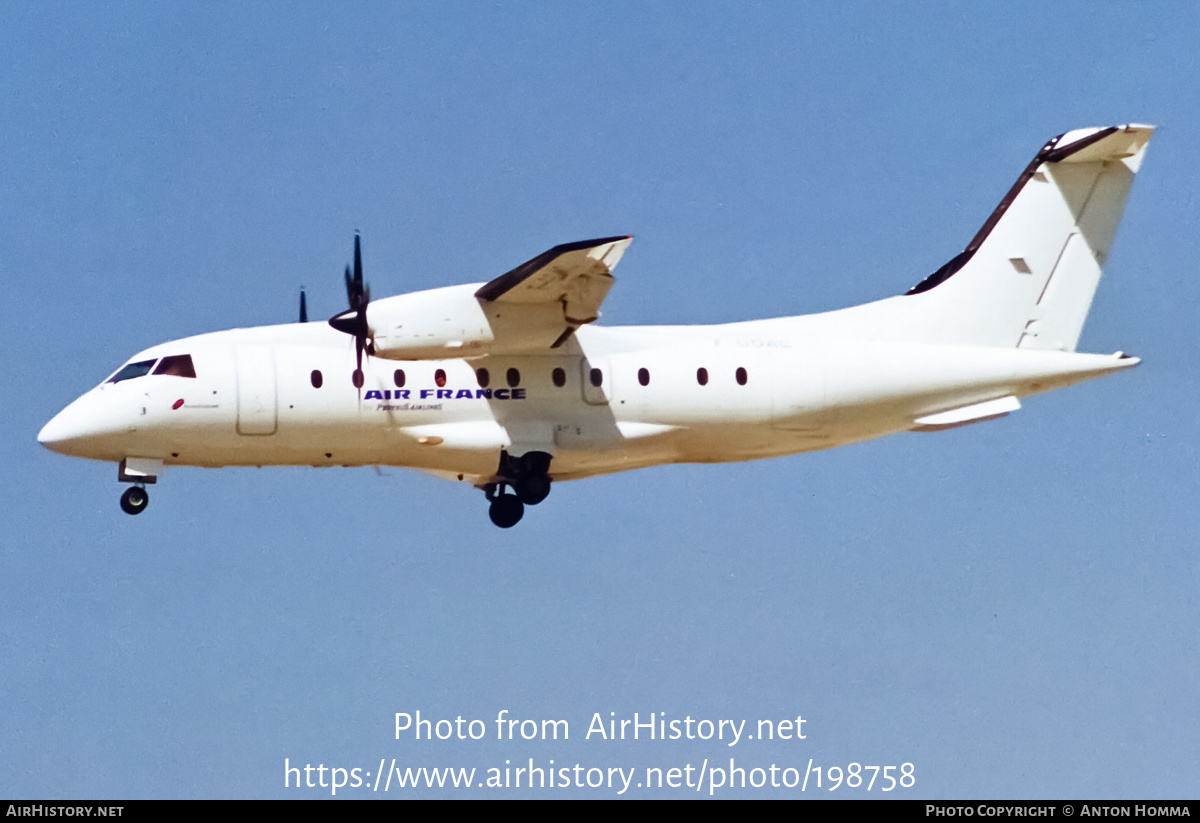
(79, 430)
(62, 430)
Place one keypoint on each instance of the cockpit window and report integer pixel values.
(132, 370)
(179, 365)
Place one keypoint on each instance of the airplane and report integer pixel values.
(511, 387)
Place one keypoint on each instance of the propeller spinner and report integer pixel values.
(354, 320)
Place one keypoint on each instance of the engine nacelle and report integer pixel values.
(453, 322)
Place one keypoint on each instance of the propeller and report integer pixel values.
(354, 320)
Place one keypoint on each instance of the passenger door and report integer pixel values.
(257, 402)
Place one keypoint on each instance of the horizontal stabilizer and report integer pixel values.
(965, 416)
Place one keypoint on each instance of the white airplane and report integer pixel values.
(509, 387)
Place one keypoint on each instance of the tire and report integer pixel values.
(506, 511)
(533, 489)
(134, 500)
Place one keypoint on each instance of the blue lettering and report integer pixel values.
(464, 393)
(484, 393)
(426, 393)
(374, 395)
(401, 394)
(444, 394)
(500, 394)
(518, 394)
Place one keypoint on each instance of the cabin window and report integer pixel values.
(741, 376)
(597, 377)
(439, 377)
(398, 378)
(513, 377)
(702, 376)
(316, 379)
(132, 370)
(483, 378)
(559, 377)
(179, 365)
(644, 377)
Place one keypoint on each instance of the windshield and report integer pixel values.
(132, 370)
(179, 365)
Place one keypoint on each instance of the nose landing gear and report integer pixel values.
(134, 500)
(529, 477)
(139, 471)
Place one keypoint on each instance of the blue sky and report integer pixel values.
(1010, 607)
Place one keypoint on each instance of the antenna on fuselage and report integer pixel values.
(303, 307)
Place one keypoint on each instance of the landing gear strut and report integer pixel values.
(134, 500)
(529, 477)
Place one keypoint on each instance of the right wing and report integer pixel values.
(577, 275)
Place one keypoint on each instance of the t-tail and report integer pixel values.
(1028, 276)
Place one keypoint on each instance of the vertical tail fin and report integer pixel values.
(1028, 276)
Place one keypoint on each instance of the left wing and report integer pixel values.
(577, 275)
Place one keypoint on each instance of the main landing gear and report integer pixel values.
(529, 478)
(134, 500)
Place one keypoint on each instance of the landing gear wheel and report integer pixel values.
(134, 500)
(506, 510)
(533, 489)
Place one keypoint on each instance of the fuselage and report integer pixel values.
(608, 400)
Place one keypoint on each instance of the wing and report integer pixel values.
(577, 275)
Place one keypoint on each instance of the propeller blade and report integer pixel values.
(353, 321)
(358, 278)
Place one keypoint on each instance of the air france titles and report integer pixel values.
(384, 395)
